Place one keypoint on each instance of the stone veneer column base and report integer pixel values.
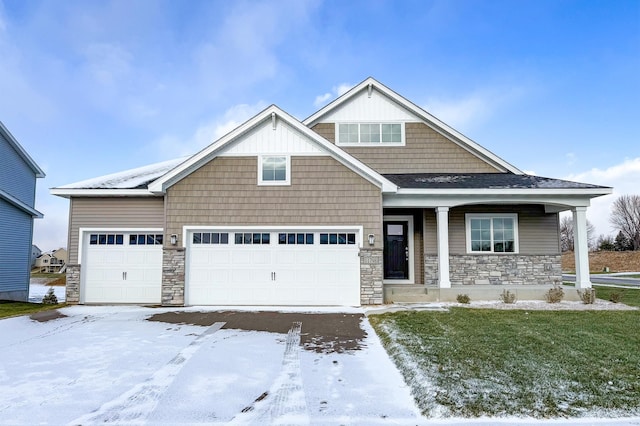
(371, 273)
(508, 269)
(72, 295)
(173, 276)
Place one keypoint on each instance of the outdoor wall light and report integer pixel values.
(174, 239)
(372, 239)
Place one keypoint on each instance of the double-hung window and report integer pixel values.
(371, 134)
(492, 233)
(274, 170)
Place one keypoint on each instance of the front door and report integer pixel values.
(396, 250)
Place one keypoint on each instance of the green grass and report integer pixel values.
(45, 275)
(483, 362)
(11, 309)
(628, 296)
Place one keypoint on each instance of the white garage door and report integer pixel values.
(273, 268)
(122, 268)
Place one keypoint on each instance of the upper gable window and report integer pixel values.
(374, 134)
(274, 170)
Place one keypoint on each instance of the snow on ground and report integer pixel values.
(37, 291)
(106, 364)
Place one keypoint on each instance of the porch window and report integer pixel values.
(491, 233)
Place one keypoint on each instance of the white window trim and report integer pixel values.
(370, 144)
(516, 240)
(285, 182)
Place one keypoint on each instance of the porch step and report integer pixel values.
(408, 294)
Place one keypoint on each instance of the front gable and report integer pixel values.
(426, 145)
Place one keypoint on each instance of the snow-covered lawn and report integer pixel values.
(111, 365)
(37, 291)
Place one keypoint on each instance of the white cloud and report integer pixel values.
(623, 177)
(108, 64)
(473, 108)
(207, 133)
(336, 91)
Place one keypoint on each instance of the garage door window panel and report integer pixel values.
(338, 238)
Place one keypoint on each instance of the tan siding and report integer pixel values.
(322, 192)
(112, 213)
(426, 151)
(537, 230)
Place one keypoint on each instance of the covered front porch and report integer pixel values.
(447, 251)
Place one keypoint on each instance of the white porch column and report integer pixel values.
(442, 219)
(581, 247)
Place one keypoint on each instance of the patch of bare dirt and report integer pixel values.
(616, 261)
(322, 333)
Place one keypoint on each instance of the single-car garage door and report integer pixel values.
(122, 267)
(266, 267)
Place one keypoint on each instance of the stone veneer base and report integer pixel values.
(516, 269)
(72, 295)
(173, 276)
(371, 277)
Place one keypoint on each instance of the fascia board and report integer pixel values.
(430, 120)
(25, 156)
(20, 205)
(594, 192)
(101, 192)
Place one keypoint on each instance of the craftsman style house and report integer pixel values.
(369, 200)
(18, 173)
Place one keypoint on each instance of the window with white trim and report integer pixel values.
(375, 134)
(492, 233)
(274, 170)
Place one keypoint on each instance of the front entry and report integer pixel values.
(396, 250)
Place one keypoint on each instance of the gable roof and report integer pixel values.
(272, 113)
(430, 120)
(21, 152)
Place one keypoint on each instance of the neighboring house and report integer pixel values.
(52, 262)
(18, 173)
(369, 199)
(35, 252)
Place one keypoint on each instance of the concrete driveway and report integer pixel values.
(124, 365)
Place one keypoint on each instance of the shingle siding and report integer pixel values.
(322, 192)
(425, 151)
(142, 212)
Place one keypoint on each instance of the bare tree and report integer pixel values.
(566, 234)
(625, 217)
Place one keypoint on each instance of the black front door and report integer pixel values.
(396, 251)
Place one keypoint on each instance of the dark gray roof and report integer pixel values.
(482, 181)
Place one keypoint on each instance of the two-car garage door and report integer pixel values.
(273, 267)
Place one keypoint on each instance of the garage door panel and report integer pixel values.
(121, 273)
(299, 272)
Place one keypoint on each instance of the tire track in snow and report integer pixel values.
(285, 402)
(135, 405)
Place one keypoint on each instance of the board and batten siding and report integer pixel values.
(425, 151)
(538, 232)
(15, 246)
(17, 177)
(224, 192)
(112, 212)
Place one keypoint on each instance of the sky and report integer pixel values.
(90, 88)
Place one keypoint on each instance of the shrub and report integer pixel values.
(508, 297)
(588, 296)
(615, 297)
(50, 298)
(463, 298)
(555, 294)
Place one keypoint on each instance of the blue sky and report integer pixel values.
(94, 87)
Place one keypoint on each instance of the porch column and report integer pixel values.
(442, 219)
(581, 248)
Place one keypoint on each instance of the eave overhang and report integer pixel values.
(20, 205)
(101, 192)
